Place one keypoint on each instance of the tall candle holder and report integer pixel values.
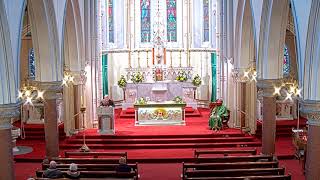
(171, 58)
(147, 58)
(139, 59)
(180, 58)
(84, 147)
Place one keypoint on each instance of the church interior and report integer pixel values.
(160, 89)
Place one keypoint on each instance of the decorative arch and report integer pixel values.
(72, 37)
(7, 75)
(273, 24)
(311, 73)
(45, 40)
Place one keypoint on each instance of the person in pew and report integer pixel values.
(216, 115)
(73, 172)
(123, 166)
(52, 171)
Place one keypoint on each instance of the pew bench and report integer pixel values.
(234, 172)
(100, 174)
(197, 153)
(68, 154)
(86, 160)
(91, 167)
(225, 159)
(272, 177)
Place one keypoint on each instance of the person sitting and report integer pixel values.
(52, 171)
(123, 166)
(73, 172)
(216, 115)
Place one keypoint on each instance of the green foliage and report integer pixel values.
(122, 83)
(182, 76)
(137, 77)
(196, 81)
(178, 99)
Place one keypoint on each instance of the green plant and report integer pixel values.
(182, 76)
(137, 77)
(196, 81)
(178, 99)
(122, 83)
(141, 101)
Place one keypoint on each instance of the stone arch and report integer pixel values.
(271, 38)
(7, 75)
(45, 40)
(73, 53)
(311, 71)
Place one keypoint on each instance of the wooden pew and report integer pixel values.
(253, 158)
(234, 172)
(67, 154)
(197, 153)
(91, 167)
(87, 160)
(100, 174)
(236, 165)
(276, 177)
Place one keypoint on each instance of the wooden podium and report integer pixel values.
(106, 120)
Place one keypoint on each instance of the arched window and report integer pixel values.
(172, 20)
(32, 65)
(145, 20)
(110, 21)
(286, 61)
(206, 20)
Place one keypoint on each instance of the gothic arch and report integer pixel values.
(73, 37)
(45, 40)
(271, 38)
(311, 73)
(7, 75)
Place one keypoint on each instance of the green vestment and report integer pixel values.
(216, 115)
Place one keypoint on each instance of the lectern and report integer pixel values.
(106, 119)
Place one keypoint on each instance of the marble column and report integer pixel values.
(311, 110)
(268, 116)
(50, 117)
(7, 112)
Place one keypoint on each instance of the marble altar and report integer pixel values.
(160, 113)
(160, 91)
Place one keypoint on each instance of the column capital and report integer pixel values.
(266, 86)
(8, 111)
(50, 88)
(311, 110)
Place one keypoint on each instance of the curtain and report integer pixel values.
(214, 76)
(105, 74)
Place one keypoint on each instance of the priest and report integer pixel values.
(217, 114)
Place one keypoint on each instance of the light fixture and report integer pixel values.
(68, 78)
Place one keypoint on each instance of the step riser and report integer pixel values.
(159, 136)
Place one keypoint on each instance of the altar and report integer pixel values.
(160, 113)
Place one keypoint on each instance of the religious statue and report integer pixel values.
(159, 74)
(218, 112)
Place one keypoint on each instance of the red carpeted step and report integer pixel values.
(162, 146)
(161, 141)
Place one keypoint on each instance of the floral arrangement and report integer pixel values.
(182, 76)
(196, 81)
(178, 99)
(106, 101)
(137, 77)
(141, 101)
(122, 83)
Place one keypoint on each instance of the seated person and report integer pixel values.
(52, 171)
(216, 115)
(123, 166)
(73, 172)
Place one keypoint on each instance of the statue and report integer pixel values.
(159, 74)
(218, 112)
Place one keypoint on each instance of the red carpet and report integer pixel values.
(155, 144)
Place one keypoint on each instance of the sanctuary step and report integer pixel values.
(190, 112)
(162, 141)
(283, 127)
(36, 131)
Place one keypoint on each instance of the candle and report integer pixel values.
(81, 101)
(153, 56)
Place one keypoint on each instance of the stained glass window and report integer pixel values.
(172, 20)
(145, 20)
(32, 65)
(110, 21)
(286, 61)
(205, 20)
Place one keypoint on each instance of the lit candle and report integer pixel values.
(81, 100)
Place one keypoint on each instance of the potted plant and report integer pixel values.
(196, 81)
(182, 76)
(122, 83)
(137, 77)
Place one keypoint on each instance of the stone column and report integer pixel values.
(7, 112)
(311, 110)
(50, 117)
(268, 116)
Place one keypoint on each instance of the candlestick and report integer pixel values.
(147, 58)
(81, 101)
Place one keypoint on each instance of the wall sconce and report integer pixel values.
(28, 93)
